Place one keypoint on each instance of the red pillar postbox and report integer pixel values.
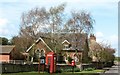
(73, 63)
(51, 62)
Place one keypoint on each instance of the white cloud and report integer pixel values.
(3, 22)
(4, 32)
(98, 1)
(9, 0)
(99, 37)
(99, 34)
(113, 39)
(3, 27)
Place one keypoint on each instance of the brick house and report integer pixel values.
(37, 49)
(93, 46)
(5, 52)
(73, 45)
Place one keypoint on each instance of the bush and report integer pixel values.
(76, 70)
(70, 59)
(71, 70)
(66, 70)
(58, 71)
(89, 69)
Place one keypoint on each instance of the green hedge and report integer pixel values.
(89, 69)
(13, 68)
(71, 70)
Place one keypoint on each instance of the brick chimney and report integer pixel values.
(92, 37)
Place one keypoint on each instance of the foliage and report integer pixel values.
(66, 73)
(117, 58)
(89, 69)
(5, 41)
(76, 70)
(69, 59)
(85, 57)
(17, 55)
(21, 43)
(71, 70)
(102, 52)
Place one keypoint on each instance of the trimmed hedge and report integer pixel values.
(71, 70)
(14, 68)
(89, 69)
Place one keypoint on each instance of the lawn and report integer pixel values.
(35, 73)
(95, 72)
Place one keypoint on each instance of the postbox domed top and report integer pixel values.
(73, 60)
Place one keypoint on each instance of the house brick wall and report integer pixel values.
(4, 58)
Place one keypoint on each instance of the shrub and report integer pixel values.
(66, 70)
(71, 70)
(70, 59)
(76, 70)
(89, 69)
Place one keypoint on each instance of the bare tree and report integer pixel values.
(39, 20)
(34, 22)
(80, 22)
(56, 22)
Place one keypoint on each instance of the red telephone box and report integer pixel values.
(51, 62)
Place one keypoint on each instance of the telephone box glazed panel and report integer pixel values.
(51, 62)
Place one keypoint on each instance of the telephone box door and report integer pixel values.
(51, 62)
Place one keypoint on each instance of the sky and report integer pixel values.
(104, 12)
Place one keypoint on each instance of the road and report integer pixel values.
(114, 70)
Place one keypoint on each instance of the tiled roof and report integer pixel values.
(6, 49)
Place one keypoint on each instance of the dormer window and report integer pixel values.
(66, 46)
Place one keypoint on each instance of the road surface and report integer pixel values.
(114, 70)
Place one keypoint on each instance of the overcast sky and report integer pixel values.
(105, 13)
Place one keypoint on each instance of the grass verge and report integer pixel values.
(94, 72)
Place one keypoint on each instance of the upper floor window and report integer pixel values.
(38, 53)
(42, 53)
(66, 46)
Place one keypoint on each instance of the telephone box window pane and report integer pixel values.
(49, 61)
